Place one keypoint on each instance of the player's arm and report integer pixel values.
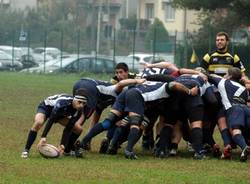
(163, 64)
(120, 85)
(68, 128)
(214, 79)
(238, 63)
(205, 62)
(55, 115)
(160, 78)
(176, 86)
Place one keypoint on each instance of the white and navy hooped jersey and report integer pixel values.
(151, 90)
(61, 106)
(153, 71)
(192, 81)
(63, 98)
(231, 92)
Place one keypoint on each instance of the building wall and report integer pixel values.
(183, 21)
(22, 4)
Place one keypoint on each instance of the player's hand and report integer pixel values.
(61, 149)
(194, 91)
(204, 77)
(140, 81)
(41, 142)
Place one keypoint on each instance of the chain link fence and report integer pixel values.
(44, 46)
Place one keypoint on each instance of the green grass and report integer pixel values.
(19, 97)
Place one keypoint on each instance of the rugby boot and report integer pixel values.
(245, 152)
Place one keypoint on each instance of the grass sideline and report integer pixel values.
(19, 97)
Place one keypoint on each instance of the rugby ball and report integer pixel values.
(49, 151)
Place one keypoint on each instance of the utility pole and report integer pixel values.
(98, 26)
(109, 31)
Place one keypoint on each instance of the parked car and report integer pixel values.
(133, 64)
(41, 67)
(85, 63)
(7, 63)
(13, 51)
(143, 58)
(52, 51)
(28, 61)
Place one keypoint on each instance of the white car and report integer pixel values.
(52, 51)
(142, 58)
(13, 51)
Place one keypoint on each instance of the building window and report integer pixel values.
(149, 13)
(169, 12)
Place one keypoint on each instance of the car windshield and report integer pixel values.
(5, 56)
(65, 62)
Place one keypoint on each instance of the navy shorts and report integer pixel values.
(44, 109)
(130, 101)
(238, 116)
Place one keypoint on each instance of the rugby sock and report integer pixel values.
(239, 140)
(31, 138)
(116, 136)
(165, 138)
(226, 136)
(111, 132)
(133, 137)
(208, 136)
(97, 129)
(174, 146)
(124, 134)
(196, 139)
(72, 139)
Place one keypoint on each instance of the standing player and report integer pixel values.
(219, 61)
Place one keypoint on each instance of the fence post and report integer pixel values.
(175, 46)
(134, 34)
(185, 50)
(78, 49)
(13, 51)
(154, 43)
(45, 45)
(61, 48)
(114, 49)
(28, 43)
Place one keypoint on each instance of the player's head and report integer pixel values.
(201, 70)
(234, 74)
(222, 41)
(121, 71)
(80, 99)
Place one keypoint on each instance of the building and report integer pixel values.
(175, 20)
(18, 4)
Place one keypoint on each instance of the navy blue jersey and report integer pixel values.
(151, 90)
(231, 92)
(135, 99)
(153, 71)
(61, 107)
(98, 91)
(191, 81)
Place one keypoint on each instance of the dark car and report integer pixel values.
(99, 64)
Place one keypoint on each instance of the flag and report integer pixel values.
(194, 57)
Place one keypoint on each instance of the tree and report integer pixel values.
(156, 34)
(238, 7)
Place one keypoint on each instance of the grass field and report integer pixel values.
(19, 97)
